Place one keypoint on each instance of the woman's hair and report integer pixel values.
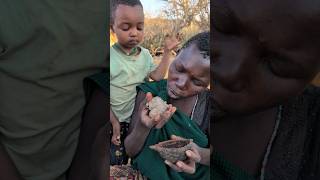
(116, 3)
(202, 41)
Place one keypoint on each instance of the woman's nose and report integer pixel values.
(181, 82)
(231, 72)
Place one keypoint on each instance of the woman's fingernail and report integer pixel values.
(179, 164)
(188, 153)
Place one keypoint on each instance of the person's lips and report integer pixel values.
(133, 42)
(173, 93)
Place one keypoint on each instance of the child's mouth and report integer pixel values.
(133, 42)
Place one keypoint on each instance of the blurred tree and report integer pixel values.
(184, 12)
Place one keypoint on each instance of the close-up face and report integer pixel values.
(128, 25)
(264, 52)
(189, 73)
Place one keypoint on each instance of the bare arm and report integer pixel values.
(159, 73)
(138, 132)
(91, 155)
(141, 123)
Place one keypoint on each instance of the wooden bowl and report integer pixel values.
(173, 150)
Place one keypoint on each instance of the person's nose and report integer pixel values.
(133, 32)
(231, 68)
(181, 82)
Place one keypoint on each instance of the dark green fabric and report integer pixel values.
(47, 48)
(100, 80)
(149, 162)
(224, 170)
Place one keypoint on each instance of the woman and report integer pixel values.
(270, 125)
(187, 116)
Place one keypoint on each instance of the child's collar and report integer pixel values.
(133, 51)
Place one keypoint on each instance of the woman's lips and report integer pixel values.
(175, 94)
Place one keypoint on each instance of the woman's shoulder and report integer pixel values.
(98, 80)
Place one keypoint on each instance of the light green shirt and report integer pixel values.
(47, 48)
(126, 73)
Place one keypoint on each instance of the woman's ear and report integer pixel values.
(111, 28)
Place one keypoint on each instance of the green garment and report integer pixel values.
(224, 170)
(47, 48)
(126, 73)
(149, 162)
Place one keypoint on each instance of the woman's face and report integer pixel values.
(264, 52)
(189, 73)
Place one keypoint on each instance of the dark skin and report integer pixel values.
(188, 75)
(90, 161)
(264, 52)
(7, 168)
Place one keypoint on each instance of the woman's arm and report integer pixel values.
(141, 123)
(91, 155)
(7, 168)
(137, 131)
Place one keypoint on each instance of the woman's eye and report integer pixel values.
(197, 82)
(282, 68)
(179, 68)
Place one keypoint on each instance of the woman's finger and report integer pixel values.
(173, 166)
(149, 96)
(193, 155)
(187, 168)
(174, 137)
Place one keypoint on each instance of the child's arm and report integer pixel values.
(160, 72)
(115, 129)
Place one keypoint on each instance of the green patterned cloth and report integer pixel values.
(148, 162)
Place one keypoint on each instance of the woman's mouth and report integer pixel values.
(172, 93)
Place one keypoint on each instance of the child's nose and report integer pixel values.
(133, 32)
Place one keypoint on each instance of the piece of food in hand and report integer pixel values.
(173, 150)
(156, 106)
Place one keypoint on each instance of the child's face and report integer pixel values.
(128, 25)
(264, 51)
(188, 74)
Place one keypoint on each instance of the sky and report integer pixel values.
(152, 7)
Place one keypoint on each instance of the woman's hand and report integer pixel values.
(160, 120)
(189, 165)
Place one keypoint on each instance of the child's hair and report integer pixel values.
(116, 3)
(202, 41)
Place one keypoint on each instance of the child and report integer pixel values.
(265, 53)
(130, 65)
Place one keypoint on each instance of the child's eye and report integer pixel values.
(125, 27)
(140, 28)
